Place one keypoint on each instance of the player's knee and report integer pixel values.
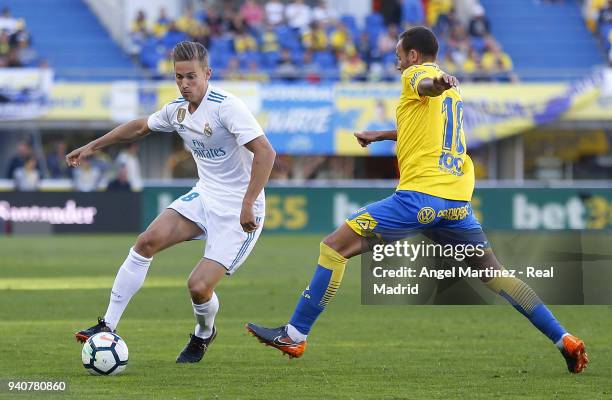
(147, 244)
(199, 289)
(333, 242)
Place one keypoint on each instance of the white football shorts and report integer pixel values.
(226, 242)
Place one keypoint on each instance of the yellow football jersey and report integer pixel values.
(431, 149)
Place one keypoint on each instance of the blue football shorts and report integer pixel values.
(408, 213)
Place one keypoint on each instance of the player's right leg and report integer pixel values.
(334, 253)
(167, 229)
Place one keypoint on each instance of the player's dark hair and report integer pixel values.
(421, 39)
(190, 51)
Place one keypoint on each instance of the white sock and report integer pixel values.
(205, 315)
(129, 279)
(559, 343)
(294, 334)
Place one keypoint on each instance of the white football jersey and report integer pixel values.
(216, 133)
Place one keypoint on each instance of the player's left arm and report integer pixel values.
(433, 87)
(263, 160)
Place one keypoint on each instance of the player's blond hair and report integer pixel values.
(190, 51)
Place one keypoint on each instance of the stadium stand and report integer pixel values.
(539, 35)
(335, 47)
(73, 41)
(15, 42)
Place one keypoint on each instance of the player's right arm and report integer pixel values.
(128, 132)
(433, 87)
(366, 137)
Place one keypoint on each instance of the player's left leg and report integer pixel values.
(463, 228)
(524, 299)
(201, 284)
(227, 247)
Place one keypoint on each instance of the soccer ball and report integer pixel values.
(105, 353)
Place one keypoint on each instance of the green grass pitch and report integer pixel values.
(53, 286)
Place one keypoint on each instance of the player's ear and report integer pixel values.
(208, 73)
(413, 56)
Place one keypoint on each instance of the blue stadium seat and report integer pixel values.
(478, 44)
(351, 24)
(270, 60)
(69, 35)
(324, 59)
(546, 36)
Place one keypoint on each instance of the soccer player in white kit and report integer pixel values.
(226, 206)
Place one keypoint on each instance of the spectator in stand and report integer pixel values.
(391, 11)
(244, 42)
(121, 182)
(24, 153)
(232, 71)
(299, 15)
(7, 22)
(27, 177)
(352, 67)
(140, 22)
(87, 177)
(387, 40)
(230, 17)
(252, 13)
(187, 23)
(286, 69)
(439, 15)
(12, 60)
(324, 15)
(237, 24)
(471, 69)
(269, 40)
(341, 40)
(165, 66)
(412, 12)
(480, 27)
(129, 158)
(310, 71)
(215, 21)
(25, 53)
(160, 27)
(5, 46)
(202, 36)
(315, 38)
(254, 72)
(19, 34)
(275, 12)
(604, 20)
(497, 63)
(56, 161)
(364, 48)
(458, 44)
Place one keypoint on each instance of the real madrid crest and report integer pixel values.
(207, 130)
(181, 115)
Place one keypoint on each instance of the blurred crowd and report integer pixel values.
(30, 165)
(100, 172)
(15, 42)
(288, 41)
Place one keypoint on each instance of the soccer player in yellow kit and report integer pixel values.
(433, 196)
